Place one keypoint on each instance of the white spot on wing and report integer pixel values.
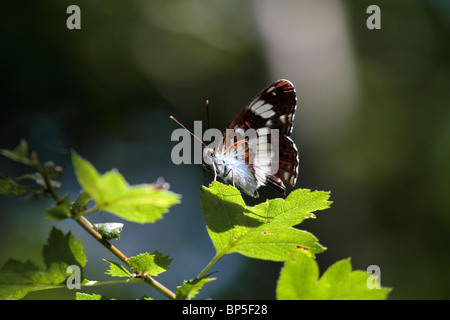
(286, 118)
(267, 114)
(256, 106)
(264, 108)
(271, 89)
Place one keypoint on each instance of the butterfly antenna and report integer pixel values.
(207, 112)
(188, 130)
(203, 166)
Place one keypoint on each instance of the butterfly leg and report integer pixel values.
(227, 172)
(232, 172)
(232, 176)
(215, 171)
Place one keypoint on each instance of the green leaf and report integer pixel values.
(59, 211)
(61, 251)
(142, 203)
(17, 279)
(189, 289)
(264, 231)
(87, 296)
(109, 230)
(19, 154)
(8, 187)
(151, 264)
(117, 270)
(339, 282)
(79, 205)
(297, 207)
(299, 280)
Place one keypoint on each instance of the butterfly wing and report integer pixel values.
(273, 108)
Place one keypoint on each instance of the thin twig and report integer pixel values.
(86, 225)
(48, 186)
(216, 258)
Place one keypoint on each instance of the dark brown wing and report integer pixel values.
(288, 161)
(274, 107)
(287, 165)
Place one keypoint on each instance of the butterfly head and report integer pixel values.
(213, 162)
(208, 153)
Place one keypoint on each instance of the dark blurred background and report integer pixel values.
(373, 126)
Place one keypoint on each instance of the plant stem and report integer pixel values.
(210, 265)
(86, 225)
(94, 283)
(101, 283)
(41, 170)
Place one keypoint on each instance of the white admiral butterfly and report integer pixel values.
(250, 161)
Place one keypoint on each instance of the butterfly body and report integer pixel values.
(232, 170)
(256, 149)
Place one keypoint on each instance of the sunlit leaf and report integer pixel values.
(141, 203)
(189, 289)
(264, 231)
(150, 263)
(117, 270)
(299, 280)
(87, 296)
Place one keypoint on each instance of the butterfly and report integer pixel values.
(260, 151)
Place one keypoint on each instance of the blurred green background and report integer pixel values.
(373, 125)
